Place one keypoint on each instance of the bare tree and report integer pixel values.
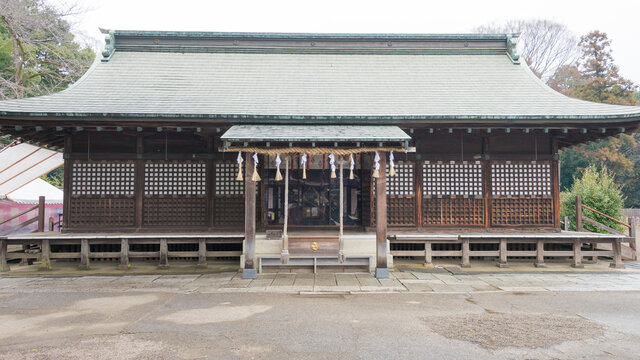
(545, 45)
(44, 55)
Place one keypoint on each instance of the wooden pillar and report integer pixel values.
(566, 223)
(249, 271)
(211, 184)
(579, 213)
(503, 253)
(486, 182)
(555, 183)
(164, 254)
(84, 254)
(341, 194)
(634, 234)
(577, 254)
(67, 180)
(202, 252)
(139, 182)
(382, 271)
(124, 255)
(428, 254)
(45, 246)
(3, 256)
(465, 253)
(284, 253)
(617, 254)
(539, 254)
(41, 210)
(417, 173)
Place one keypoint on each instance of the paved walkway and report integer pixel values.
(436, 281)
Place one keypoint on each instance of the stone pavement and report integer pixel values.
(411, 281)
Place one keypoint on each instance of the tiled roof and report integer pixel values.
(247, 83)
(315, 133)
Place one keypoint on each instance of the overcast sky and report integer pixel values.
(618, 18)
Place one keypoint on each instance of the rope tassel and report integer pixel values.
(278, 173)
(392, 166)
(303, 165)
(256, 176)
(332, 162)
(240, 160)
(376, 165)
(351, 166)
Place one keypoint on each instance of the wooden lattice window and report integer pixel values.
(228, 196)
(452, 179)
(102, 194)
(165, 178)
(402, 183)
(452, 193)
(175, 193)
(521, 178)
(226, 183)
(401, 202)
(102, 178)
(521, 193)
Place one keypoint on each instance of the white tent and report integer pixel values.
(20, 164)
(30, 193)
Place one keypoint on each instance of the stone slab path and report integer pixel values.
(400, 281)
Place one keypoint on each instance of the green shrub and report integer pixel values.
(599, 191)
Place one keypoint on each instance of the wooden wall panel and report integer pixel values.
(228, 195)
(452, 193)
(401, 199)
(102, 194)
(175, 193)
(521, 193)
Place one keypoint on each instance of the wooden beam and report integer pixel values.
(41, 211)
(66, 203)
(465, 253)
(503, 253)
(418, 180)
(579, 213)
(138, 184)
(3, 256)
(84, 254)
(249, 271)
(124, 255)
(382, 271)
(555, 192)
(45, 247)
(202, 252)
(539, 254)
(577, 254)
(617, 255)
(428, 253)
(602, 226)
(164, 254)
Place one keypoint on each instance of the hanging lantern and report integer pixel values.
(303, 165)
(240, 160)
(392, 166)
(332, 162)
(351, 166)
(376, 165)
(256, 176)
(278, 173)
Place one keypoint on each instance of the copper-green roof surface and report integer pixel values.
(296, 77)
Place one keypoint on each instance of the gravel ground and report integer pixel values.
(118, 347)
(499, 330)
